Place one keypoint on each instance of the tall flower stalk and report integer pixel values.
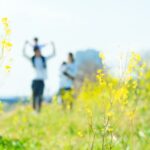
(5, 44)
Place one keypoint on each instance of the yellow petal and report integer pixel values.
(8, 31)
(101, 55)
(4, 20)
(7, 68)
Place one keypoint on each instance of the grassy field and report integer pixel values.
(56, 129)
(52, 129)
(110, 114)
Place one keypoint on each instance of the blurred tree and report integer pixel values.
(88, 62)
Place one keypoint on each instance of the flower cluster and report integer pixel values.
(5, 44)
(115, 98)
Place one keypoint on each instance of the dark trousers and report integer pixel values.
(37, 90)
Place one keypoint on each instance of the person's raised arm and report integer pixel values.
(24, 51)
(54, 51)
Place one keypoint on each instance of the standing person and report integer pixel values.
(39, 63)
(62, 81)
(67, 77)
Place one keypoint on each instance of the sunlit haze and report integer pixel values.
(110, 26)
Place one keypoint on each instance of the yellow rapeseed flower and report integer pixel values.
(8, 31)
(7, 68)
(80, 134)
(9, 44)
(110, 114)
(3, 42)
(6, 44)
(110, 130)
(4, 20)
(102, 56)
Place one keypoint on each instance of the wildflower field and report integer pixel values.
(111, 113)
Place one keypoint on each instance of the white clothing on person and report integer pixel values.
(63, 78)
(39, 69)
(65, 81)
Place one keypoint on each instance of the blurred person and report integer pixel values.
(67, 77)
(39, 63)
(36, 44)
(62, 81)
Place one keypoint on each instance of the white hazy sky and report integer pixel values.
(107, 25)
